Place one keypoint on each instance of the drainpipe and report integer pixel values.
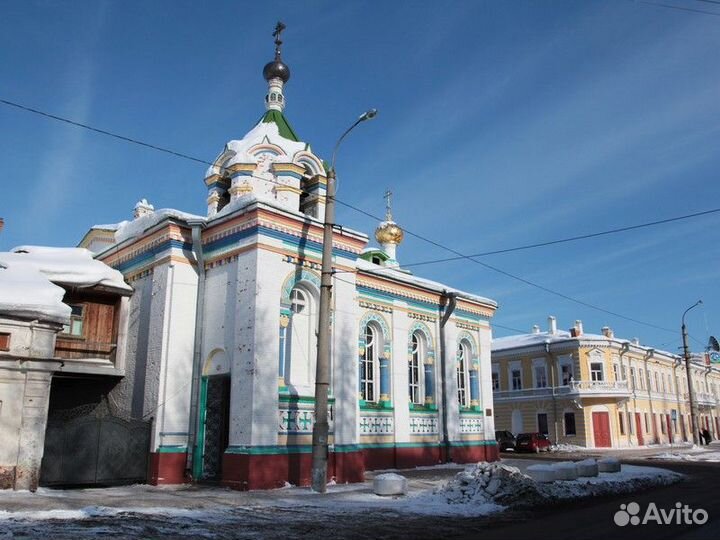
(450, 301)
(676, 382)
(553, 374)
(197, 227)
(650, 353)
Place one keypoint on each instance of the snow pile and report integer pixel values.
(29, 276)
(567, 448)
(491, 483)
(495, 483)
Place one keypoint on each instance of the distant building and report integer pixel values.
(596, 390)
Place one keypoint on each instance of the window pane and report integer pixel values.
(570, 424)
(76, 327)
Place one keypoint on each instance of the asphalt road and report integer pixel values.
(593, 518)
(582, 519)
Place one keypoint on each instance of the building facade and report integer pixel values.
(596, 390)
(224, 319)
(63, 317)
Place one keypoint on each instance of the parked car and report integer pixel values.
(505, 440)
(532, 442)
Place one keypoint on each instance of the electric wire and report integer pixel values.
(458, 255)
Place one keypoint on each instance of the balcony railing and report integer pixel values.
(599, 387)
(574, 388)
(704, 399)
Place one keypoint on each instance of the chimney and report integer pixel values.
(552, 325)
(143, 208)
(636, 341)
(535, 329)
(608, 332)
(578, 328)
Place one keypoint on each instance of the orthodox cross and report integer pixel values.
(279, 27)
(388, 205)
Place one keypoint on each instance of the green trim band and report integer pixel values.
(346, 448)
(169, 449)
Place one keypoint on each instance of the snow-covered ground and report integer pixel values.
(143, 511)
(695, 453)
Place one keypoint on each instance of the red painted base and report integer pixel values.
(167, 468)
(247, 471)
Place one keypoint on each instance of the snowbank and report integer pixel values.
(493, 483)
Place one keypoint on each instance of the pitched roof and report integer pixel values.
(284, 127)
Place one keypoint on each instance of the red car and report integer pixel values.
(532, 442)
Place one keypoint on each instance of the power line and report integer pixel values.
(680, 8)
(359, 210)
(513, 276)
(570, 239)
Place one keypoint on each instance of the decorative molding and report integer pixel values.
(375, 307)
(376, 425)
(423, 424)
(471, 424)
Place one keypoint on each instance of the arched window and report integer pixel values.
(418, 351)
(464, 356)
(369, 363)
(299, 337)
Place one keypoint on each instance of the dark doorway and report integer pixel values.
(542, 423)
(216, 423)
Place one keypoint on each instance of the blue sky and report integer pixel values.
(501, 124)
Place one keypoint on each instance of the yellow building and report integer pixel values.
(596, 390)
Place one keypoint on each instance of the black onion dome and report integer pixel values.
(276, 70)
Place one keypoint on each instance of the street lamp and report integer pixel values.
(322, 369)
(691, 391)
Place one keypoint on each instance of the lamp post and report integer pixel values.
(322, 368)
(691, 391)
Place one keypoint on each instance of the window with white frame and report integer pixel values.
(495, 380)
(464, 357)
(369, 362)
(596, 371)
(616, 372)
(633, 379)
(418, 348)
(641, 374)
(516, 375)
(540, 376)
(566, 372)
(299, 338)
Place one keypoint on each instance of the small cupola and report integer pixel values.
(388, 233)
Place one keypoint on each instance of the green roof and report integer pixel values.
(284, 127)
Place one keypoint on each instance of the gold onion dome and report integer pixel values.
(389, 232)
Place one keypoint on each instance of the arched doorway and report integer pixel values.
(214, 429)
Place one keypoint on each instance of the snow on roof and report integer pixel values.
(398, 275)
(108, 226)
(263, 131)
(30, 277)
(28, 294)
(530, 340)
(134, 228)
